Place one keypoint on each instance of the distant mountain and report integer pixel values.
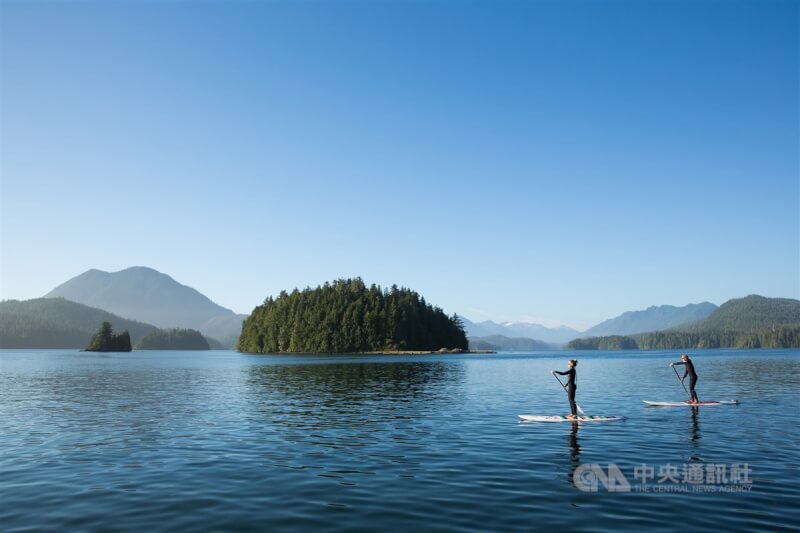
(58, 323)
(223, 331)
(750, 314)
(557, 335)
(500, 343)
(651, 319)
(145, 294)
(751, 322)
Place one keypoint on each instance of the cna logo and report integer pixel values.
(589, 477)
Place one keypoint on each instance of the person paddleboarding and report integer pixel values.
(692, 376)
(571, 386)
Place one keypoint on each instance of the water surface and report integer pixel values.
(219, 440)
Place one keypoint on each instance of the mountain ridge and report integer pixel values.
(526, 330)
(58, 323)
(655, 317)
(145, 294)
(501, 343)
(750, 322)
(750, 314)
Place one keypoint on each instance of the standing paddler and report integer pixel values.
(692, 376)
(572, 384)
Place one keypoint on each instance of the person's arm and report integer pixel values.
(562, 373)
(681, 363)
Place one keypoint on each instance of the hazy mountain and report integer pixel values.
(141, 293)
(751, 322)
(58, 323)
(629, 323)
(557, 335)
(223, 331)
(651, 319)
(500, 343)
(750, 314)
(147, 295)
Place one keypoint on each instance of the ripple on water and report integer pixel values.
(225, 441)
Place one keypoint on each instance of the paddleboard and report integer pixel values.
(533, 418)
(687, 404)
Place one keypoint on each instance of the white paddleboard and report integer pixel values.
(534, 418)
(687, 404)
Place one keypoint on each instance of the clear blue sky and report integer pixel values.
(558, 162)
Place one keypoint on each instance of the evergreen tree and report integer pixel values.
(345, 317)
(173, 339)
(105, 340)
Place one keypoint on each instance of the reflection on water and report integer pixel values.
(349, 385)
(694, 435)
(575, 451)
(349, 408)
(350, 395)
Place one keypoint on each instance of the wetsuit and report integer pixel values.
(692, 377)
(571, 386)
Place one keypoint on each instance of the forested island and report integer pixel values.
(105, 340)
(751, 322)
(346, 316)
(173, 339)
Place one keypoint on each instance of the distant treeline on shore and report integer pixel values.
(780, 337)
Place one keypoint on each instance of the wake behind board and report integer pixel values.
(534, 418)
(687, 404)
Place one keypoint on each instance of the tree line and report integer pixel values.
(346, 316)
(787, 336)
(611, 342)
(173, 339)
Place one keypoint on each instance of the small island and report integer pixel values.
(346, 316)
(105, 340)
(173, 339)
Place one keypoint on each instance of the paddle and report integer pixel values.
(679, 379)
(565, 390)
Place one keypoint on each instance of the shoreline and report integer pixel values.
(421, 352)
(384, 352)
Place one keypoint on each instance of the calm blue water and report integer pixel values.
(219, 440)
